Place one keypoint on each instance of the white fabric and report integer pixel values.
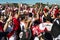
(57, 21)
(13, 37)
(21, 34)
(42, 26)
(21, 25)
(42, 18)
(56, 7)
(15, 8)
(21, 5)
(36, 38)
(49, 26)
(3, 11)
(57, 38)
(9, 29)
(46, 7)
(31, 10)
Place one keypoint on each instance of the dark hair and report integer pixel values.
(30, 14)
(36, 22)
(22, 17)
(58, 14)
(48, 18)
(1, 15)
(0, 4)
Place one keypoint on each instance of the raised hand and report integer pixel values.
(6, 25)
(9, 19)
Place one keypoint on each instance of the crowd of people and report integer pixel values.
(29, 23)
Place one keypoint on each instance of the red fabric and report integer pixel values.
(33, 11)
(16, 24)
(16, 27)
(45, 29)
(56, 11)
(1, 28)
(10, 34)
(36, 30)
(45, 9)
(41, 19)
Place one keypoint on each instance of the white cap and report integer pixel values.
(3, 11)
(46, 7)
(56, 7)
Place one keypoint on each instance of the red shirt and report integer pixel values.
(1, 28)
(16, 24)
(16, 27)
(36, 30)
(33, 11)
(45, 9)
(56, 11)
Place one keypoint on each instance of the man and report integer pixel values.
(46, 28)
(56, 28)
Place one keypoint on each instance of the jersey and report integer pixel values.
(45, 26)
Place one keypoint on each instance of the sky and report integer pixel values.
(31, 1)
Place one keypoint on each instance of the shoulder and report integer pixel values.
(41, 24)
(56, 21)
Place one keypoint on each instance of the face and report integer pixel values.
(59, 16)
(2, 17)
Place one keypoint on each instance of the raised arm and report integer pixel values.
(18, 14)
(7, 22)
(19, 9)
(37, 14)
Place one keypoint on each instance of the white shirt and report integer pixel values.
(22, 25)
(42, 26)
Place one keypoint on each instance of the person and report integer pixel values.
(15, 28)
(3, 28)
(35, 30)
(25, 33)
(46, 10)
(55, 28)
(46, 28)
(34, 26)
